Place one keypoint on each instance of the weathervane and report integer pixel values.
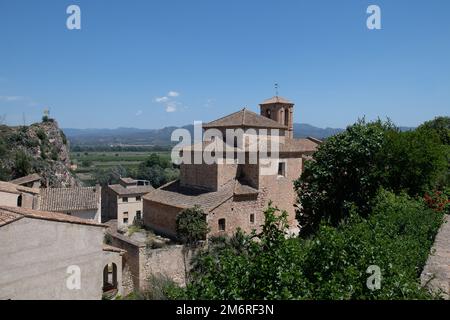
(276, 89)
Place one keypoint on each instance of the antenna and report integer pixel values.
(276, 89)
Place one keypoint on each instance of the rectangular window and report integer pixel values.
(125, 220)
(221, 224)
(125, 199)
(138, 198)
(282, 169)
(252, 218)
(138, 215)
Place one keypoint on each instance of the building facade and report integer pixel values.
(48, 255)
(234, 194)
(123, 201)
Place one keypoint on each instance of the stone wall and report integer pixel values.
(161, 218)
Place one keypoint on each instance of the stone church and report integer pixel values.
(234, 195)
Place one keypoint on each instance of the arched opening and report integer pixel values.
(110, 277)
(19, 201)
(282, 116)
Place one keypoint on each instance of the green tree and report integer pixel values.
(22, 165)
(442, 127)
(191, 225)
(341, 175)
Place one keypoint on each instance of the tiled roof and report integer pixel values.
(9, 214)
(8, 217)
(276, 99)
(27, 179)
(122, 191)
(244, 118)
(70, 199)
(173, 194)
(14, 188)
(127, 180)
(112, 249)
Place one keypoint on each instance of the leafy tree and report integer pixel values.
(349, 168)
(341, 175)
(442, 127)
(413, 161)
(191, 225)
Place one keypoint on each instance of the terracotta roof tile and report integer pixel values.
(112, 249)
(70, 199)
(244, 118)
(138, 190)
(276, 99)
(13, 213)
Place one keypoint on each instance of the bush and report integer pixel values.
(333, 264)
(191, 225)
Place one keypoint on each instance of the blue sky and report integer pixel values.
(217, 56)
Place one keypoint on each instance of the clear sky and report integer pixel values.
(155, 63)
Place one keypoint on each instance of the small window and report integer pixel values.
(252, 218)
(138, 198)
(125, 199)
(221, 224)
(138, 215)
(282, 169)
(125, 220)
(19, 201)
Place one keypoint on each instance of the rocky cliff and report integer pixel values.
(39, 148)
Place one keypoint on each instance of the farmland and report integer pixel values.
(88, 162)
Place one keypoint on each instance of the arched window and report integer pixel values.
(110, 277)
(286, 117)
(19, 201)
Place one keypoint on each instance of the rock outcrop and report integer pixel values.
(39, 148)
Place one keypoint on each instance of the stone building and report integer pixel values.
(14, 195)
(48, 255)
(82, 202)
(123, 201)
(235, 194)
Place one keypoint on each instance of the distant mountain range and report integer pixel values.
(161, 137)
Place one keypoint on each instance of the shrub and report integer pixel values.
(191, 225)
(396, 237)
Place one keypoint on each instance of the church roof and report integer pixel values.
(276, 99)
(244, 118)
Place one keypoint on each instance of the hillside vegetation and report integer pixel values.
(39, 148)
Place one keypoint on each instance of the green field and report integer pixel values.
(88, 162)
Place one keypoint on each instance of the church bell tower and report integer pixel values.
(280, 110)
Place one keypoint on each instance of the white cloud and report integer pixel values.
(11, 98)
(162, 99)
(171, 106)
(169, 101)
